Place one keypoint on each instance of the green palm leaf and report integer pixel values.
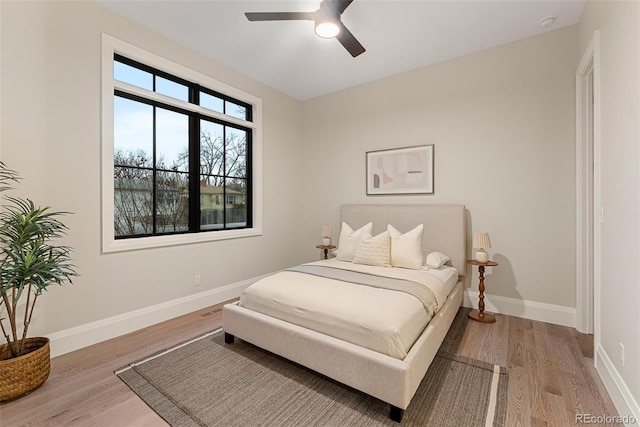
(29, 259)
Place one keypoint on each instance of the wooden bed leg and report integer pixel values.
(396, 413)
(228, 338)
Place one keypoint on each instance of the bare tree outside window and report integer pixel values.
(134, 187)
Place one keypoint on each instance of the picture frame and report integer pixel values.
(407, 170)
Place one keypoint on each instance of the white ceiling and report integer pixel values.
(398, 35)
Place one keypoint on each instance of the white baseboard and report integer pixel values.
(92, 333)
(627, 406)
(550, 313)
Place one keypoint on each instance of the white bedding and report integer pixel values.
(383, 320)
(448, 275)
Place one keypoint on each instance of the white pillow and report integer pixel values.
(374, 250)
(436, 259)
(349, 240)
(406, 249)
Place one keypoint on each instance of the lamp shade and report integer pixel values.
(481, 241)
(326, 230)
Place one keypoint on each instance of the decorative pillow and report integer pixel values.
(436, 259)
(349, 240)
(374, 250)
(406, 249)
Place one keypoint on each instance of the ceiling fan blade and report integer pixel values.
(338, 5)
(349, 41)
(280, 16)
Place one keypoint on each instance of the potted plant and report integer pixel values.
(29, 262)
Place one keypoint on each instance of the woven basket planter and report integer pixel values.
(26, 373)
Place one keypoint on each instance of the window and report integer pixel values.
(161, 149)
(175, 144)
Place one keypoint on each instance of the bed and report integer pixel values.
(379, 366)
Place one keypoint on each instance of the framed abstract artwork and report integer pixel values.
(400, 171)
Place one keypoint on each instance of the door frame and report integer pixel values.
(589, 212)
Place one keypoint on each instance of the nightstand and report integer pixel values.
(325, 249)
(480, 314)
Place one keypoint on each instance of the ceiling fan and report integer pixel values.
(327, 22)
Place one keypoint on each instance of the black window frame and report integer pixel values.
(194, 173)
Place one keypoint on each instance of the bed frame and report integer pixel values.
(391, 380)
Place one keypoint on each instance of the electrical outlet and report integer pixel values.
(621, 355)
(196, 280)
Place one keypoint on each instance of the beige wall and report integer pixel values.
(51, 135)
(619, 25)
(502, 122)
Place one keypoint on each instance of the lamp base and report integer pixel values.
(482, 256)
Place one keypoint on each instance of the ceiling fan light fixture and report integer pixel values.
(326, 20)
(327, 29)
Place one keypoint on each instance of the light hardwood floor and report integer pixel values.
(551, 374)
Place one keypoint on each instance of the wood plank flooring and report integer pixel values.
(551, 374)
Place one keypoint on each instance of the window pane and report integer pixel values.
(172, 140)
(211, 102)
(235, 110)
(211, 204)
(172, 202)
(236, 152)
(236, 203)
(128, 74)
(133, 131)
(172, 89)
(211, 149)
(133, 201)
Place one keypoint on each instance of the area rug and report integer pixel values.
(205, 382)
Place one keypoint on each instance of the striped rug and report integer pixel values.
(205, 382)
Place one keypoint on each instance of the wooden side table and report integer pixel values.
(480, 314)
(325, 249)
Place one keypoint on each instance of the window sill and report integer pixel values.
(121, 245)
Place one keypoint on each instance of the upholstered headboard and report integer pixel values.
(444, 225)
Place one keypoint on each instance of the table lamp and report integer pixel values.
(326, 234)
(481, 242)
